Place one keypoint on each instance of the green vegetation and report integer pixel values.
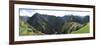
(70, 26)
(84, 29)
(40, 24)
(26, 29)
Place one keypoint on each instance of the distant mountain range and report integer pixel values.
(25, 18)
(49, 24)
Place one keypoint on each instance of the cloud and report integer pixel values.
(26, 12)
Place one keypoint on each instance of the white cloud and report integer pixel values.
(26, 12)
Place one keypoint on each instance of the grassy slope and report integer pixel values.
(26, 29)
(71, 26)
(84, 29)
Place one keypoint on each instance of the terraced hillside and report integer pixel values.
(84, 29)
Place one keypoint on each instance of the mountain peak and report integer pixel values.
(36, 14)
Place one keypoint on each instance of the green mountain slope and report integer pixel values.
(26, 29)
(70, 26)
(84, 29)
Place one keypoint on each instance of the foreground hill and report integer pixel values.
(26, 29)
(70, 27)
(84, 29)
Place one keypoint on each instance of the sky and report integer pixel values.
(31, 12)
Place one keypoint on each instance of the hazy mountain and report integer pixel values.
(25, 18)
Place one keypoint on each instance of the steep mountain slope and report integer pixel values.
(43, 23)
(71, 26)
(84, 29)
(26, 29)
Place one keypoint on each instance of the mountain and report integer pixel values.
(43, 23)
(84, 29)
(70, 27)
(25, 18)
(49, 24)
(86, 19)
(26, 29)
(79, 19)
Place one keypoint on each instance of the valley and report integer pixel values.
(43, 24)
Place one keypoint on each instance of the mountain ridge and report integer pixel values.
(49, 24)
